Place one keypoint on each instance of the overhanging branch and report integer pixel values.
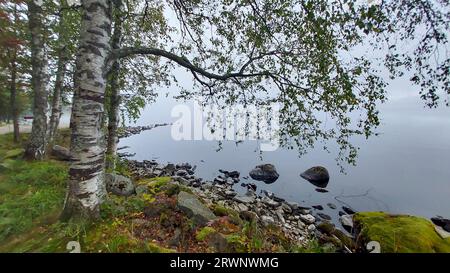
(184, 62)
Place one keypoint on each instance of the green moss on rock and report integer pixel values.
(204, 233)
(399, 233)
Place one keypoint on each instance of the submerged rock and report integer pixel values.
(348, 210)
(318, 176)
(324, 216)
(119, 185)
(266, 173)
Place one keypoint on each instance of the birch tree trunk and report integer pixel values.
(86, 174)
(36, 145)
(114, 103)
(13, 97)
(57, 95)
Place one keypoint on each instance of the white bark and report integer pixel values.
(86, 174)
(36, 145)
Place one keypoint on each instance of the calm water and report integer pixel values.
(404, 170)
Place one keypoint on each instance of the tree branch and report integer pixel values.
(129, 51)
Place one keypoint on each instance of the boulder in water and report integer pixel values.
(266, 173)
(318, 176)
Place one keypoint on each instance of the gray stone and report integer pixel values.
(267, 220)
(280, 216)
(119, 185)
(324, 216)
(347, 222)
(318, 176)
(286, 208)
(266, 173)
(230, 193)
(189, 204)
(181, 180)
(311, 228)
(242, 207)
(244, 199)
(308, 219)
(181, 173)
(444, 234)
(269, 202)
(157, 172)
(331, 206)
(61, 153)
(293, 205)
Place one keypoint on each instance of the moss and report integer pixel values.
(14, 153)
(399, 233)
(314, 246)
(204, 233)
(154, 248)
(221, 211)
(154, 184)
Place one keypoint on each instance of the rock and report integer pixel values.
(266, 173)
(242, 207)
(169, 169)
(441, 222)
(271, 203)
(293, 205)
(341, 213)
(311, 228)
(398, 233)
(220, 180)
(181, 172)
(348, 210)
(321, 190)
(317, 176)
(286, 208)
(267, 220)
(61, 153)
(181, 180)
(326, 228)
(244, 199)
(278, 199)
(230, 193)
(119, 185)
(308, 219)
(248, 216)
(176, 239)
(331, 206)
(189, 204)
(304, 211)
(347, 222)
(318, 207)
(280, 216)
(443, 233)
(324, 216)
(218, 242)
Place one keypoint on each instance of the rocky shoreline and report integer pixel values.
(297, 222)
(300, 224)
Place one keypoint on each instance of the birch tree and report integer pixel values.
(241, 50)
(37, 141)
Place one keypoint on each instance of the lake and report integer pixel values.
(406, 169)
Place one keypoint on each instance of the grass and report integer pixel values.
(30, 191)
(400, 233)
(32, 195)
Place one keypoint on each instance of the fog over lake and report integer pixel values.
(403, 170)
